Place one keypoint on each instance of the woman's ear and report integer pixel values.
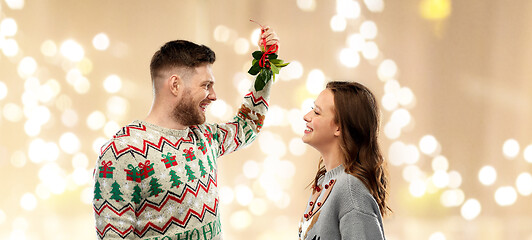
(337, 132)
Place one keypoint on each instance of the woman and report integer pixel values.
(349, 191)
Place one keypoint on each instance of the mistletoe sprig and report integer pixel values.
(265, 64)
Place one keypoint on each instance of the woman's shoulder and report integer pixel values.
(355, 195)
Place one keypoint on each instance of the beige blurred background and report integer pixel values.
(453, 79)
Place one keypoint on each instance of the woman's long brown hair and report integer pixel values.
(357, 114)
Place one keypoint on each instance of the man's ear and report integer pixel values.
(174, 82)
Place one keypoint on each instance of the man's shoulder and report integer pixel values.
(127, 136)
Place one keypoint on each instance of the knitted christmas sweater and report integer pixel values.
(342, 208)
(154, 183)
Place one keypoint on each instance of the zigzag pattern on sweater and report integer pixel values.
(225, 133)
(256, 101)
(145, 146)
(126, 131)
(158, 207)
(161, 230)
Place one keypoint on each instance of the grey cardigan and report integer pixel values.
(342, 209)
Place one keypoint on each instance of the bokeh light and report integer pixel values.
(96, 120)
(370, 50)
(510, 148)
(258, 207)
(471, 209)
(226, 195)
(315, 81)
(527, 153)
(418, 188)
(112, 83)
(69, 143)
(101, 41)
(72, 50)
(338, 23)
(26, 67)
(69, 118)
(306, 5)
(356, 42)
(349, 57)
(111, 128)
(251, 169)
(440, 163)
(435, 9)
(240, 219)
(15, 4)
(241, 46)
(455, 179)
(49, 48)
(3, 90)
(117, 107)
(10, 47)
(387, 71)
(13, 112)
(222, 33)
(28, 201)
(244, 195)
(375, 5)
(349, 9)
(437, 236)
(428, 144)
(440, 179)
(452, 198)
(524, 184)
(297, 147)
(368, 29)
(80, 160)
(255, 35)
(487, 175)
(8, 27)
(505, 196)
(294, 70)
(218, 108)
(18, 159)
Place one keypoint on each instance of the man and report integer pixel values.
(156, 178)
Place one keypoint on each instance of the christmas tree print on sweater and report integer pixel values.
(157, 183)
(155, 187)
(174, 179)
(136, 194)
(97, 191)
(190, 174)
(116, 193)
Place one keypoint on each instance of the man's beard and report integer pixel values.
(187, 113)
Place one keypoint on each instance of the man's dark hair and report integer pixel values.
(180, 54)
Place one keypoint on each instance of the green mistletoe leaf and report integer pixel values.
(254, 69)
(276, 61)
(268, 75)
(281, 65)
(272, 56)
(260, 81)
(274, 68)
(257, 55)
